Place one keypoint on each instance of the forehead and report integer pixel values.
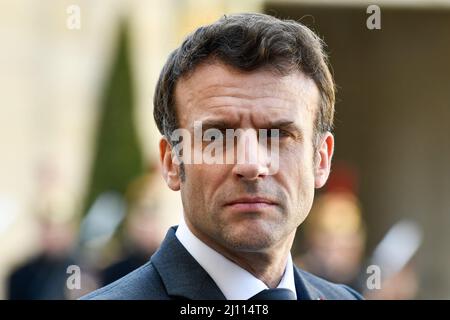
(216, 90)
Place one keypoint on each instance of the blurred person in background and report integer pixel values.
(44, 276)
(335, 240)
(47, 276)
(142, 230)
(335, 235)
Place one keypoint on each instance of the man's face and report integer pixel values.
(240, 206)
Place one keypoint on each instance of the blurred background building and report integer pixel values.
(77, 136)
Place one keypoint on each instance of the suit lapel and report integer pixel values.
(305, 290)
(182, 276)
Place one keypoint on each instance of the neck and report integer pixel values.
(267, 265)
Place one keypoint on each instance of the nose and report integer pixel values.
(250, 171)
(251, 161)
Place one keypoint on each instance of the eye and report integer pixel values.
(213, 135)
(277, 133)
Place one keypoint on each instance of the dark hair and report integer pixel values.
(247, 42)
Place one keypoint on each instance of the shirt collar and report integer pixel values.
(235, 282)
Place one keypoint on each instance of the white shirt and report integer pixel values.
(235, 282)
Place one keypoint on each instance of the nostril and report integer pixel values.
(250, 172)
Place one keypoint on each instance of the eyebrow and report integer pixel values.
(216, 124)
(283, 124)
(287, 125)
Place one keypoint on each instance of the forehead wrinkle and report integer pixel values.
(240, 97)
(234, 89)
(233, 82)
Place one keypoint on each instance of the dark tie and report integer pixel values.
(274, 294)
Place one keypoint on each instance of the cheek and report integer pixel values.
(203, 182)
(296, 159)
(296, 168)
(192, 188)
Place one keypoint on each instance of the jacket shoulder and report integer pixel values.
(328, 290)
(143, 283)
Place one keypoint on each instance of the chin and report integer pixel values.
(253, 245)
(250, 238)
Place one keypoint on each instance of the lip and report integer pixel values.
(251, 203)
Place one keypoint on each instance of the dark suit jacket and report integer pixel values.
(172, 273)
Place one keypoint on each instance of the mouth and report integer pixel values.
(251, 204)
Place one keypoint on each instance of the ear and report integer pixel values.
(324, 154)
(170, 170)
